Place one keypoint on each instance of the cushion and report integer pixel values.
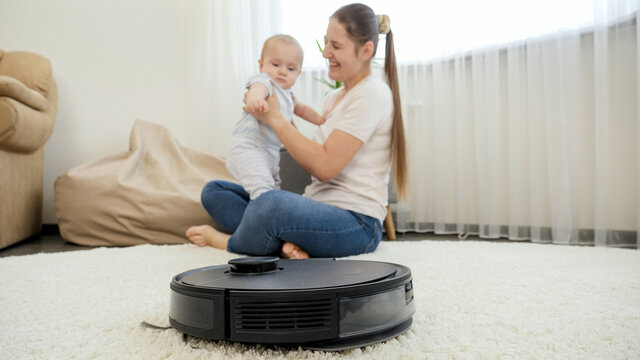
(149, 194)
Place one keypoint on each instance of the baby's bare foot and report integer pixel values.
(206, 235)
(293, 251)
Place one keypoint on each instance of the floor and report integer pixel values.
(50, 241)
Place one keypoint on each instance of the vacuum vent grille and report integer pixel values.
(290, 317)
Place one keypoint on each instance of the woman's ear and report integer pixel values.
(366, 51)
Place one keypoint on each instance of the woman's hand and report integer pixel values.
(272, 115)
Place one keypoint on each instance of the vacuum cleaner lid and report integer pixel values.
(273, 274)
(324, 304)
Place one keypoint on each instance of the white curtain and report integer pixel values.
(533, 139)
(223, 45)
(522, 123)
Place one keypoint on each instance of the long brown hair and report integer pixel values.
(362, 25)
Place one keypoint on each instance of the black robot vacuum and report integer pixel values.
(319, 304)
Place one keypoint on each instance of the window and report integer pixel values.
(427, 29)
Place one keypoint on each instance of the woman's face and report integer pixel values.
(345, 63)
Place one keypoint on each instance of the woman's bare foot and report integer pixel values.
(206, 235)
(293, 251)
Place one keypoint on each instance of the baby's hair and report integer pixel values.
(284, 38)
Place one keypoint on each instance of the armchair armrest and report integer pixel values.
(23, 128)
(32, 70)
(15, 89)
(28, 101)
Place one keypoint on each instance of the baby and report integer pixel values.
(254, 151)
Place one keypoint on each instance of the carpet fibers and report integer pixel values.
(474, 300)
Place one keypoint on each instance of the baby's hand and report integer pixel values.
(258, 105)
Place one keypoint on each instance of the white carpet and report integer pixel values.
(474, 300)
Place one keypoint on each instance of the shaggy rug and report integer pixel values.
(474, 300)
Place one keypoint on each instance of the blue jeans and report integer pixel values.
(260, 226)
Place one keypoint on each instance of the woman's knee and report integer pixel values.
(212, 188)
(271, 204)
(274, 199)
(207, 190)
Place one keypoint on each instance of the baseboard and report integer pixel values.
(615, 238)
(50, 229)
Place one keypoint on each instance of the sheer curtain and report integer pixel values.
(521, 116)
(223, 45)
(536, 138)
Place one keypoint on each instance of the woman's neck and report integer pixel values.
(349, 84)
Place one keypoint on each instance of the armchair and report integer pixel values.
(28, 104)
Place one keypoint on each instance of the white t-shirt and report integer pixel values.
(366, 112)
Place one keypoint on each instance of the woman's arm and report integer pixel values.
(324, 161)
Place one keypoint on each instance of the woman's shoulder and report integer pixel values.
(371, 90)
(373, 86)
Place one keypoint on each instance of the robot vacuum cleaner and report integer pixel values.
(319, 304)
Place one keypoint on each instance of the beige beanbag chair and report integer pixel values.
(150, 194)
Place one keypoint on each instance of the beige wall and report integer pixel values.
(114, 61)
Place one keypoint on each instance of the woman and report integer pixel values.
(341, 211)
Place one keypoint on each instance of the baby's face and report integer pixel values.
(281, 61)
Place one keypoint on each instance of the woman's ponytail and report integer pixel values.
(398, 146)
